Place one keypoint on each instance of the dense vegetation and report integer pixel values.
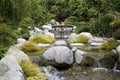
(100, 17)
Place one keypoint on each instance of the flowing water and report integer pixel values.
(97, 72)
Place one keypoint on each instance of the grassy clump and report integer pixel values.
(31, 71)
(42, 39)
(81, 39)
(109, 44)
(31, 49)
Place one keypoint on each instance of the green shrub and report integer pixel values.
(2, 51)
(7, 36)
(42, 39)
(81, 39)
(31, 49)
(31, 71)
(115, 23)
(101, 25)
(109, 44)
(116, 34)
(24, 25)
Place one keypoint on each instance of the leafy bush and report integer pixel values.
(109, 44)
(116, 34)
(81, 39)
(24, 25)
(101, 26)
(42, 39)
(31, 71)
(115, 23)
(2, 51)
(7, 36)
(31, 49)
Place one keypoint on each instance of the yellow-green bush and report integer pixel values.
(42, 39)
(31, 71)
(31, 49)
(109, 44)
(81, 39)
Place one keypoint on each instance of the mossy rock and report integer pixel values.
(88, 62)
(118, 66)
(109, 60)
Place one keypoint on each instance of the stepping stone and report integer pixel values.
(95, 44)
(44, 45)
(60, 43)
(78, 45)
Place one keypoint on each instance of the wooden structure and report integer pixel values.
(62, 31)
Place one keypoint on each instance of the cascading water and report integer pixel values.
(98, 66)
(52, 74)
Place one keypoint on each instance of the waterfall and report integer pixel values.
(98, 66)
(115, 69)
(52, 74)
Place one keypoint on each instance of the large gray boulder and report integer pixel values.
(21, 40)
(59, 56)
(18, 54)
(9, 69)
(79, 56)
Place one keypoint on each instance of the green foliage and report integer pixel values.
(101, 25)
(31, 49)
(116, 34)
(31, 71)
(14, 10)
(42, 39)
(7, 36)
(109, 44)
(25, 25)
(2, 51)
(26, 22)
(115, 23)
(81, 39)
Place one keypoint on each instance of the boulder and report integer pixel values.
(97, 40)
(49, 27)
(38, 60)
(79, 56)
(50, 34)
(73, 36)
(87, 34)
(18, 54)
(108, 60)
(10, 69)
(21, 40)
(44, 45)
(37, 31)
(118, 51)
(95, 44)
(58, 56)
(88, 62)
(53, 22)
(60, 43)
(78, 45)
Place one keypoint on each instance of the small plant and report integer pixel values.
(109, 44)
(42, 39)
(7, 36)
(116, 34)
(31, 71)
(2, 51)
(31, 49)
(81, 39)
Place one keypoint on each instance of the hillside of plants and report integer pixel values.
(99, 17)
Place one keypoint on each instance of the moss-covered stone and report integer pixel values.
(109, 60)
(88, 62)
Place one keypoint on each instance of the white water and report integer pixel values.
(98, 67)
(52, 75)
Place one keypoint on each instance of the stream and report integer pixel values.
(76, 72)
